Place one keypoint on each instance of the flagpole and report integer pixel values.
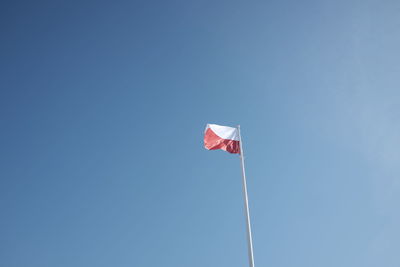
(246, 204)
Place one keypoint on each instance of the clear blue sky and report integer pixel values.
(103, 106)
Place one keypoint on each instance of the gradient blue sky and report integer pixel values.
(103, 106)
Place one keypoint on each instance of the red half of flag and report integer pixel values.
(222, 137)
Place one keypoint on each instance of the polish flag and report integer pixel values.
(222, 137)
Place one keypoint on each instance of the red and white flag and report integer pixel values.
(222, 137)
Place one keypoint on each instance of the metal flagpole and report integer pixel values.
(246, 204)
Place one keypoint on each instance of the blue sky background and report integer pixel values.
(103, 106)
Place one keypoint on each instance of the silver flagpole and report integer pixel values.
(246, 204)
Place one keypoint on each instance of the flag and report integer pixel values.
(222, 137)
